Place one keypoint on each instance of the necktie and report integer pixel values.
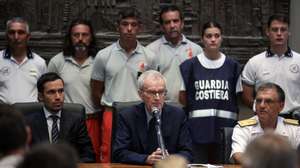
(152, 136)
(54, 131)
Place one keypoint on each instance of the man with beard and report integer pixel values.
(136, 137)
(269, 101)
(75, 65)
(19, 66)
(172, 49)
(52, 123)
(116, 70)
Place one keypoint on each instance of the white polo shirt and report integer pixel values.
(18, 81)
(76, 78)
(120, 72)
(283, 70)
(170, 57)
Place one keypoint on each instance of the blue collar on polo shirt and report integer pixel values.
(288, 53)
(7, 53)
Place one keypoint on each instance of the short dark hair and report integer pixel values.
(270, 85)
(47, 77)
(12, 130)
(168, 8)
(278, 17)
(68, 48)
(49, 156)
(129, 12)
(210, 24)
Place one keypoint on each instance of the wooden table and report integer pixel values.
(117, 165)
(111, 165)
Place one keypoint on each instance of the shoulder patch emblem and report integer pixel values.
(247, 122)
(291, 121)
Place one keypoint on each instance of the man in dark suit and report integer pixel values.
(134, 143)
(54, 124)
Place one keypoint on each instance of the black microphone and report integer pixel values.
(160, 140)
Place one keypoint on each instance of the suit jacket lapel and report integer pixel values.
(166, 127)
(42, 126)
(142, 125)
(64, 122)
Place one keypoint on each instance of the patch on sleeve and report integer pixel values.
(291, 121)
(247, 122)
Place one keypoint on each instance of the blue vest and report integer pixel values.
(213, 90)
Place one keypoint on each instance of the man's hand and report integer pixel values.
(237, 158)
(155, 156)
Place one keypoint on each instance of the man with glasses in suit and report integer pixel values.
(135, 142)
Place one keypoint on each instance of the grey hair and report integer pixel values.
(150, 74)
(18, 20)
(269, 85)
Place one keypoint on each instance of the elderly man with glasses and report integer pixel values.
(269, 101)
(136, 142)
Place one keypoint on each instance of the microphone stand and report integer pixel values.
(160, 139)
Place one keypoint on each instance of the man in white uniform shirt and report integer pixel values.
(19, 66)
(269, 102)
(278, 64)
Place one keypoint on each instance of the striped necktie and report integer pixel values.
(54, 131)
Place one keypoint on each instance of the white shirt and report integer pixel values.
(50, 121)
(120, 72)
(282, 70)
(242, 136)
(18, 81)
(170, 57)
(10, 161)
(76, 79)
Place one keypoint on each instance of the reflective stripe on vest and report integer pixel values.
(213, 113)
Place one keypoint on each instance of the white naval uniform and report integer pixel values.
(242, 136)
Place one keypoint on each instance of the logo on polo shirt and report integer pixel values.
(5, 71)
(141, 66)
(33, 72)
(294, 68)
(189, 52)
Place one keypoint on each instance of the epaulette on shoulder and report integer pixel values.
(291, 121)
(247, 122)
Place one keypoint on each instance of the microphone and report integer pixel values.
(155, 113)
(160, 140)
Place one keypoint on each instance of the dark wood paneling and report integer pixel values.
(242, 20)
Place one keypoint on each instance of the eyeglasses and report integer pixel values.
(266, 101)
(154, 94)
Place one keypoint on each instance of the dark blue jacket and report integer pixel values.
(72, 130)
(130, 144)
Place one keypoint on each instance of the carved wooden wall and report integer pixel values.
(243, 20)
